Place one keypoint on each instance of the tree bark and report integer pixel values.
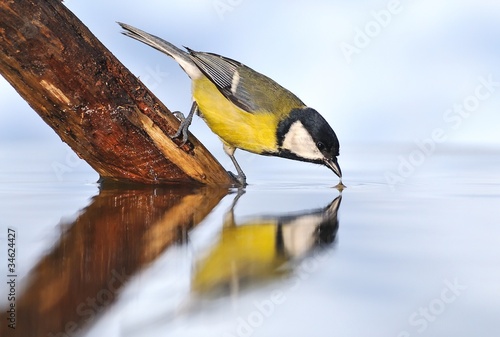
(101, 110)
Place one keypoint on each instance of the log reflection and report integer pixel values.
(120, 231)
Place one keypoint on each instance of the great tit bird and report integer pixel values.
(248, 110)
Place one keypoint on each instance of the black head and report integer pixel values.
(305, 135)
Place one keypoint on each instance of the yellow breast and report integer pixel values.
(254, 132)
(243, 252)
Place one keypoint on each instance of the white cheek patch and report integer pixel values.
(298, 141)
(298, 235)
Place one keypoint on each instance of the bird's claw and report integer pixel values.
(240, 178)
(179, 115)
(183, 127)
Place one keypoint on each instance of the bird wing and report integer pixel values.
(243, 86)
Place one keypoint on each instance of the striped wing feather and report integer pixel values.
(243, 86)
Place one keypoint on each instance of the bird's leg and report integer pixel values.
(229, 216)
(240, 177)
(185, 122)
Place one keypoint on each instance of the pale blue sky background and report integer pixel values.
(429, 56)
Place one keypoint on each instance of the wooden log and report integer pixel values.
(101, 110)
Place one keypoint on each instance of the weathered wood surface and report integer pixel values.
(101, 110)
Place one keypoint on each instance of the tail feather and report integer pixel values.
(177, 54)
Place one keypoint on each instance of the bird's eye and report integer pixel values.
(320, 146)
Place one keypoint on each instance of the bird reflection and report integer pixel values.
(262, 248)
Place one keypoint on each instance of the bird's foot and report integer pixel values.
(183, 127)
(240, 178)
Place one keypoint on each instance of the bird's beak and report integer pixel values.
(334, 166)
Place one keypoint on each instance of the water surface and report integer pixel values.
(292, 257)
